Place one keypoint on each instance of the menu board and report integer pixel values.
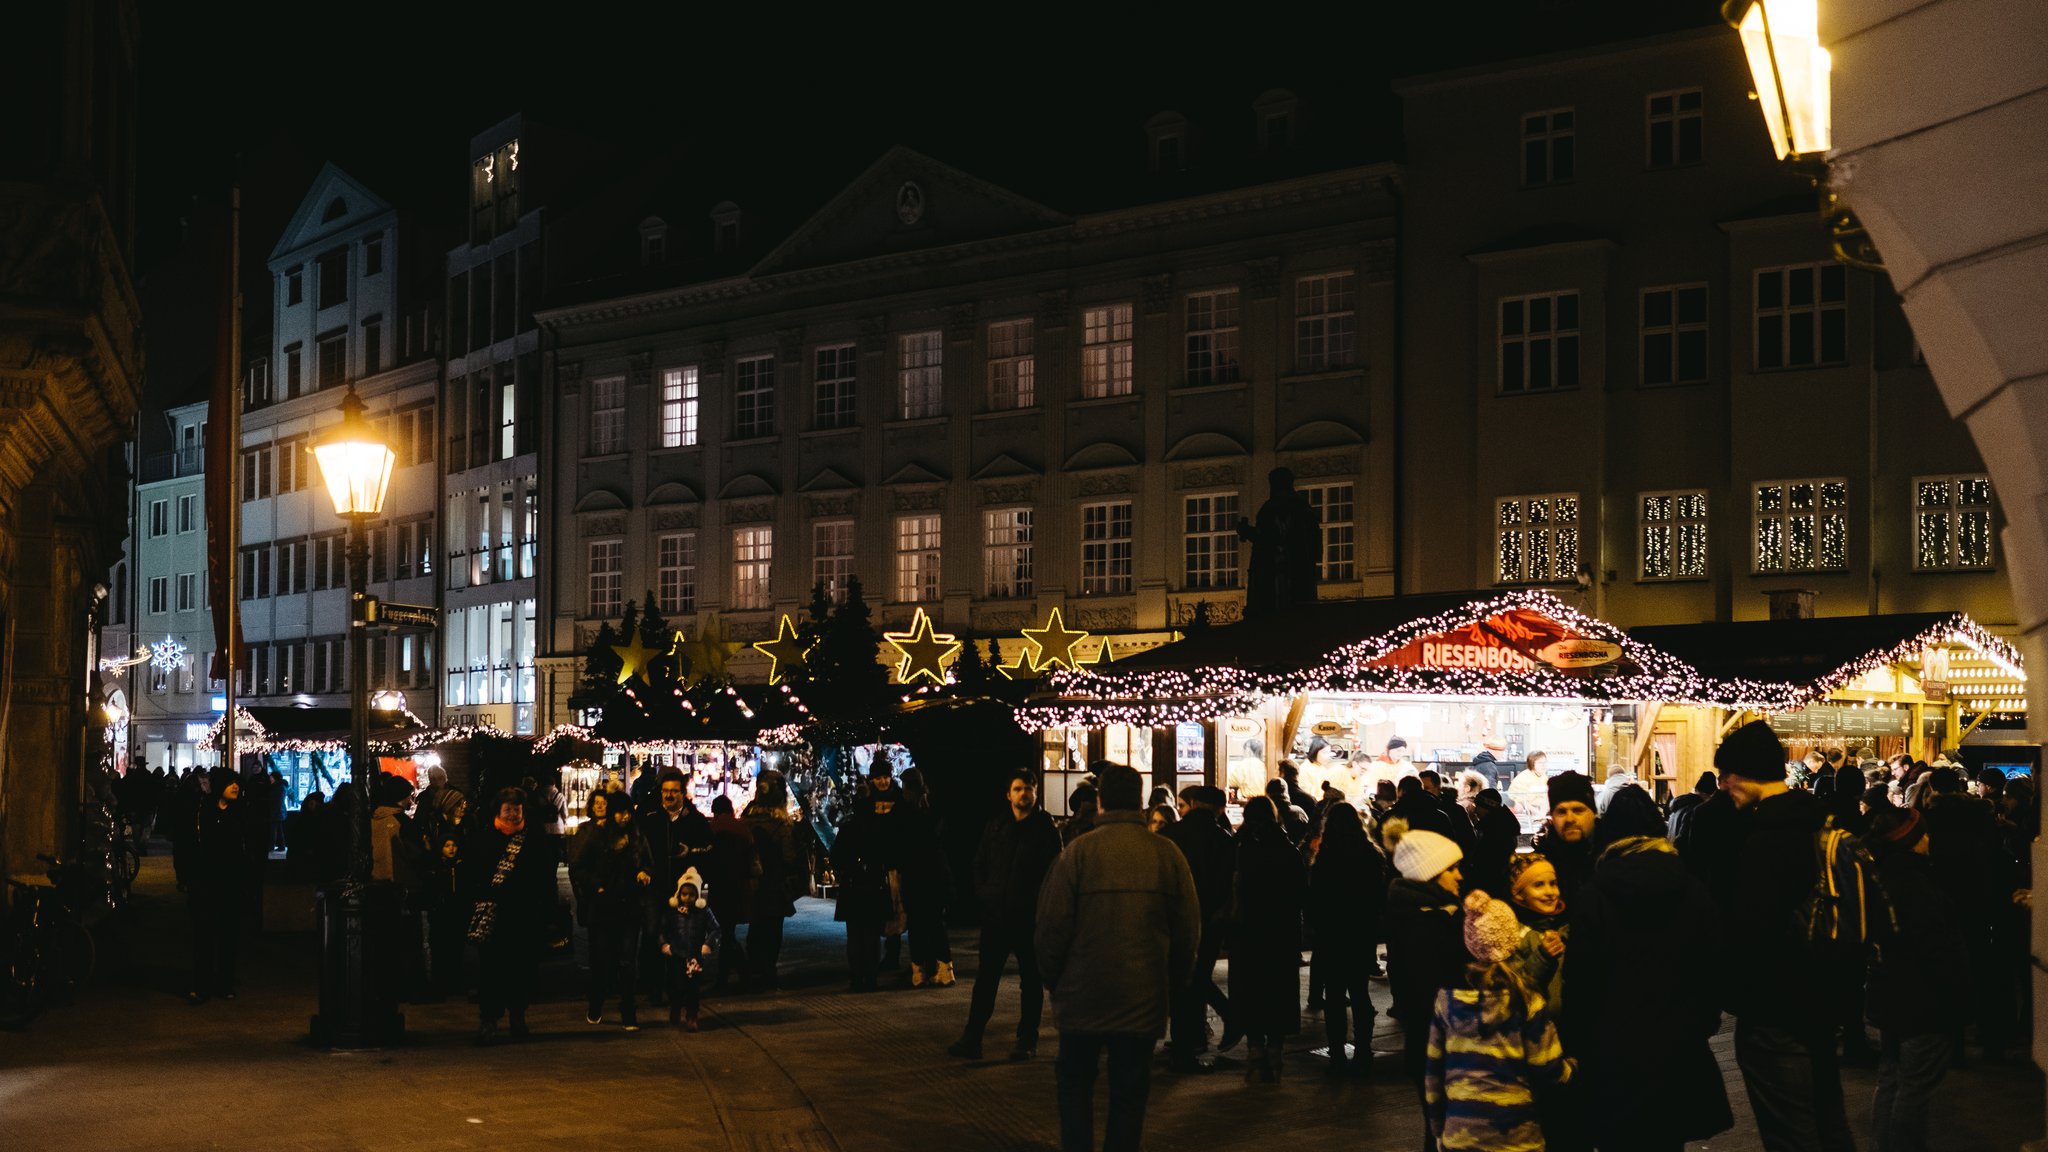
(1843, 720)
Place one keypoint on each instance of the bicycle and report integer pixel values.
(109, 850)
(49, 951)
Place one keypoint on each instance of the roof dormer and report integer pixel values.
(1167, 142)
(725, 227)
(653, 241)
(1276, 115)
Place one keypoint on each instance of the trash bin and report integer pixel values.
(358, 934)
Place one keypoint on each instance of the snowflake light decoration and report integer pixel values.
(166, 655)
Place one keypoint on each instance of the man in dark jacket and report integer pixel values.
(519, 885)
(1017, 848)
(1570, 839)
(733, 869)
(1969, 864)
(1777, 983)
(864, 854)
(1117, 927)
(1211, 854)
(1677, 821)
(219, 877)
(678, 838)
(1915, 996)
(1419, 808)
(1496, 833)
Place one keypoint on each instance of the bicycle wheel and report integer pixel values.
(127, 864)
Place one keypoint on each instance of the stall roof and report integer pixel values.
(1820, 654)
(737, 713)
(1294, 640)
(286, 727)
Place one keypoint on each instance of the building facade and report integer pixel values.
(1635, 370)
(981, 407)
(344, 314)
(171, 695)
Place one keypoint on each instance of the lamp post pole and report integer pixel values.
(359, 862)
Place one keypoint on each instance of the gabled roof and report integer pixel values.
(308, 227)
(1820, 654)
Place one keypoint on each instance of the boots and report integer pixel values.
(917, 979)
(944, 976)
(1254, 1062)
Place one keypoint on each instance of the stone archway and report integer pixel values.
(1941, 149)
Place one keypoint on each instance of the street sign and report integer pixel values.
(407, 617)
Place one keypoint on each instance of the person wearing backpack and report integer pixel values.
(1778, 975)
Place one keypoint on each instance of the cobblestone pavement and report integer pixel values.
(811, 1068)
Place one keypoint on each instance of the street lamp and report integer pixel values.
(355, 1010)
(1782, 40)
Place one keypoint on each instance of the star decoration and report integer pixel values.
(1054, 643)
(925, 652)
(785, 653)
(1020, 669)
(634, 657)
(708, 653)
(1103, 654)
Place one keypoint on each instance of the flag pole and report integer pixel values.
(232, 553)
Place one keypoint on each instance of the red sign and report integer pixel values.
(1512, 641)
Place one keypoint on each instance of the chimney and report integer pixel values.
(1791, 603)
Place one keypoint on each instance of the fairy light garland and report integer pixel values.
(260, 739)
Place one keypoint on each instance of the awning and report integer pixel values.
(285, 729)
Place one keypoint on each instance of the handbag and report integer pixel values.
(483, 919)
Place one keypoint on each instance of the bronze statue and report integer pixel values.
(1286, 545)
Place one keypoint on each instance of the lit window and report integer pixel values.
(1801, 525)
(1333, 504)
(833, 386)
(678, 407)
(607, 577)
(1012, 365)
(1325, 324)
(754, 397)
(675, 572)
(1211, 541)
(607, 415)
(919, 360)
(1674, 535)
(753, 557)
(1675, 128)
(1539, 342)
(1006, 536)
(1674, 335)
(832, 558)
(917, 558)
(1106, 351)
(1802, 316)
(1952, 522)
(1106, 548)
(1212, 335)
(1536, 539)
(1547, 146)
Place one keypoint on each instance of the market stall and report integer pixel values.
(309, 747)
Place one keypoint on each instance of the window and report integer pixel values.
(1539, 342)
(1675, 128)
(1801, 525)
(1325, 326)
(159, 595)
(1106, 548)
(1212, 337)
(373, 345)
(753, 557)
(159, 518)
(259, 383)
(291, 565)
(1006, 536)
(833, 386)
(294, 371)
(754, 395)
(188, 591)
(1952, 522)
(1674, 535)
(1211, 542)
(679, 407)
(1674, 335)
(1012, 366)
(832, 558)
(373, 256)
(1547, 147)
(188, 513)
(919, 360)
(917, 558)
(1333, 504)
(1106, 351)
(1802, 316)
(292, 462)
(607, 577)
(295, 284)
(332, 277)
(333, 366)
(675, 572)
(1536, 539)
(323, 562)
(607, 415)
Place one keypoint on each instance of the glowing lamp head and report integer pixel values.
(355, 464)
(1790, 69)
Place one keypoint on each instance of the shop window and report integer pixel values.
(1106, 548)
(1539, 342)
(832, 558)
(1012, 365)
(1106, 351)
(1801, 525)
(1536, 539)
(1802, 316)
(1674, 127)
(1210, 544)
(1951, 522)
(1325, 323)
(1674, 535)
(1006, 538)
(1547, 146)
(1333, 503)
(1674, 335)
(917, 558)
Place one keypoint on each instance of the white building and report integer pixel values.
(170, 698)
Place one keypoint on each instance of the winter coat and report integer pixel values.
(1646, 912)
(1713, 834)
(1211, 853)
(1346, 898)
(1676, 826)
(1265, 934)
(733, 869)
(606, 876)
(1490, 1052)
(1010, 866)
(927, 877)
(1421, 811)
(688, 932)
(677, 845)
(1918, 982)
(784, 876)
(1539, 969)
(220, 858)
(525, 900)
(862, 858)
(1496, 834)
(1573, 861)
(1118, 923)
(1425, 928)
(1781, 981)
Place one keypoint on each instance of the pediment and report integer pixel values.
(748, 484)
(1004, 465)
(601, 500)
(672, 492)
(914, 474)
(1103, 455)
(1320, 434)
(827, 480)
(1205, 446)
(904, 202)
(316, 219)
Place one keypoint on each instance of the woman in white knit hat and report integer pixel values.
(1425, 925)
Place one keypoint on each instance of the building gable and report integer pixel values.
(334, 205)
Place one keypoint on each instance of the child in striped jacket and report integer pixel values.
(1492, 1046)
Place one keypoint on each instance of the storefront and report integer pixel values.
(309, 747)
(1357, 692)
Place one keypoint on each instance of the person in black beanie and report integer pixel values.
(1778, 984)
(1570, 839)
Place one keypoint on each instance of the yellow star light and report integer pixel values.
(1020, 669)
(708, 653)
(925, 652)
(785, 653)
(1103, 654)
(633, 658)
(1055, 642)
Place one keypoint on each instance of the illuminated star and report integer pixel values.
(785, 653)
(708, 653)
(925, 652)
(1055, 642)
(634, 657)
(1103, 654)
(1021, 669)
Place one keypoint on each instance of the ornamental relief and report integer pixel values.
(1021, 492)
(1334, 464)
(1002, 619)
(960, 322)
(1376, 262)
(612, 525)
(663, 519)
(1211, 476)
(918, 499)
(1106, 484)
(749, 511)
(1262, 275)
(845, 504)
(1158, 292)
(1103, 619)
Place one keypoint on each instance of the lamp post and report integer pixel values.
(355, 1010)
(1782, 40)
